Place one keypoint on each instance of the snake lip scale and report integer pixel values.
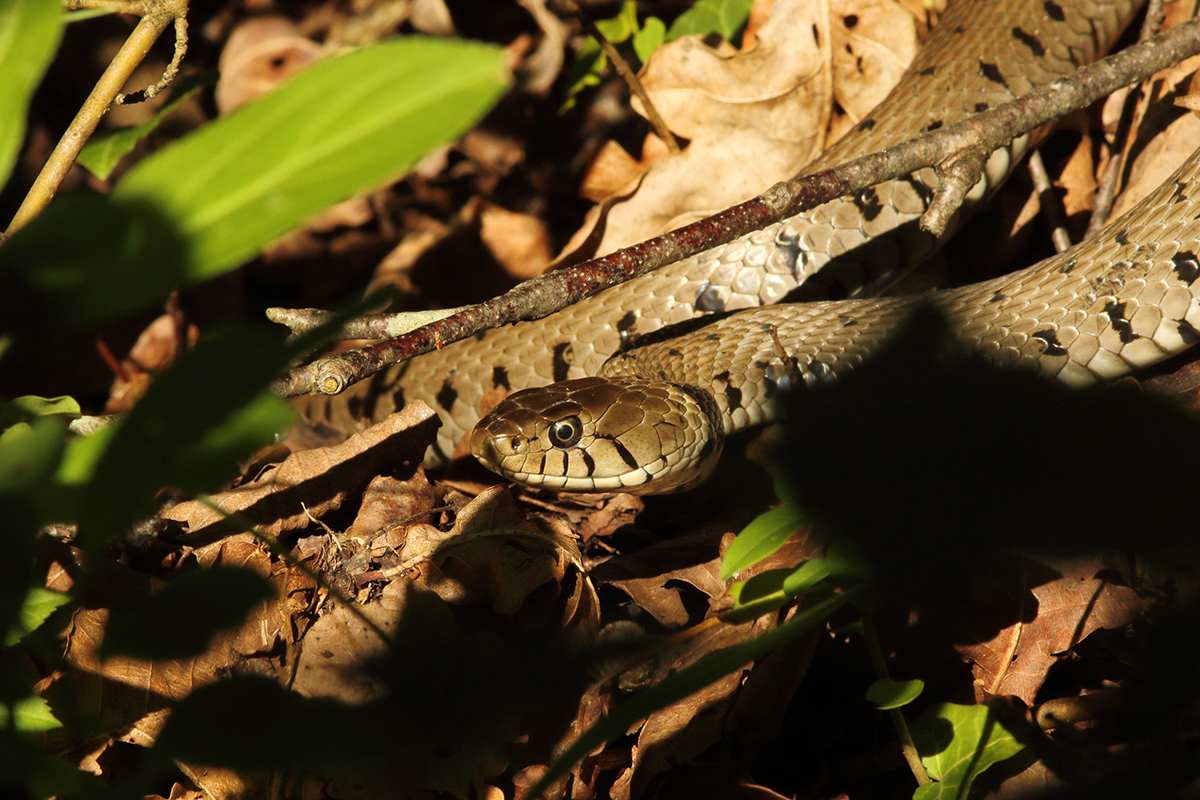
(1126, 298)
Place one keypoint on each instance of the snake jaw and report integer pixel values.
(627, 435)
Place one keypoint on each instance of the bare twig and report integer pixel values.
(367, 326)
(1050, 207)
(627, 74)
(549, 293)
(156, 16)
(1110, 181)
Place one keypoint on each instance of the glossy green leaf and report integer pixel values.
(29, 34)
(725, 18)
(27, 407)
(761, 538)
(956, 744)
(31, 715)
(104, 151)
(888, 694)
(179, 620)
(684, 682)
(773, 588)
(39, 604)
(338, 128)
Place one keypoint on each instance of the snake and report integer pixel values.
(629, 410)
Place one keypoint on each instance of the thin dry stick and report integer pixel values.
(549, 293)
(627, 74)
(158, 15)
(1048, 203)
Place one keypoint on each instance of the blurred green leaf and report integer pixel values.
(649, 38)
(25, 408)
(762, 537)
(188, 430)
(338, 128)
(30, 452)
(105, 150)
(723, 17)
(590, 62)
(888, 694)
(39, 604)
(179, 620)
(29, 34)
(31, 715)
(956, 744)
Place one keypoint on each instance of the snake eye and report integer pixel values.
(566, 432)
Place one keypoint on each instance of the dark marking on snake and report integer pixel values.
(1179, 196)
(1123, 236)
(1187, 331)
(588, 462)
(541, 467)
(847, 321)
(1054, 11)
(627, 327)
(500, 378)
(867, 124)
(479, 336)
(816, 35)
(992, 73)
(958, 29)
(933, 126)
(1053, 345)
(1029, 40)
(1116, 315)
(868, 203)
(673, 352)
(850, 20)
(712, 337)
(623, 452)
(732, 394)
(398, 400)
(1186, 266)
(562, 364)
(981, 107)
(927, 71)
(446, 396)
(709, 299)
(1066, 268)
(998, 297)
(923, 191)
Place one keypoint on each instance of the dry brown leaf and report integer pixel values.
(314, 482)
(518, 242)
(756, 117)
(1016, 660)
(751, 118)
(259, 54)
(873, 43)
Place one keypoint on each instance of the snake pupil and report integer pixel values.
(566, 432)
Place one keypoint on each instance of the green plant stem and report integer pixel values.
(906, 743)
(145, 34)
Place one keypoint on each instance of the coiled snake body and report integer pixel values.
(1123, 299)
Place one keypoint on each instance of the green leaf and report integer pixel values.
(723, 17)
(29, 34)
(684, 682)
(956, 744)
(31, 715)
(649, 38)
(888, 694)
(30, 452)
(591, 61)
(338, 128)
(762, 537)
(622, 26)
(773, 588)
(188, 431)
(105, 150)
(39, 604)
(27, 407)
(179, 620)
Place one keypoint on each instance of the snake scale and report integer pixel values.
(1126, 298)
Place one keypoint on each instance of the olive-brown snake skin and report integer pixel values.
(1121, 300)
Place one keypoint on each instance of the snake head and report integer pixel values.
(602, 435)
